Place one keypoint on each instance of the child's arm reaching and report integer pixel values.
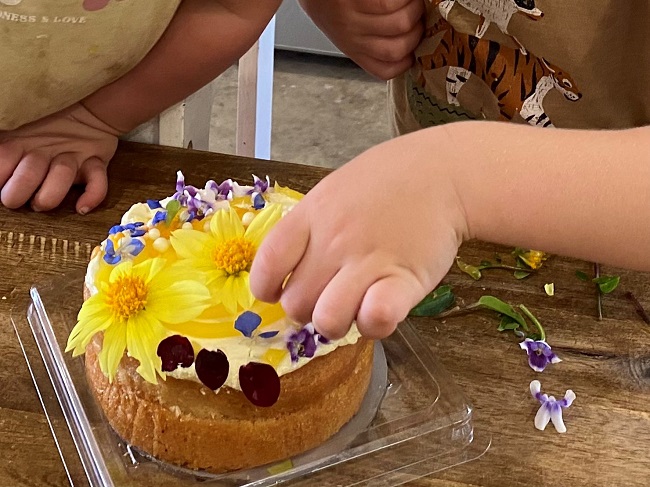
(44, 158)
(371, 239)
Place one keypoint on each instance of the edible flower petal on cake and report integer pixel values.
(226, 253)
(132, 308)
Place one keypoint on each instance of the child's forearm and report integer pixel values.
(204, 38)
(579, 193)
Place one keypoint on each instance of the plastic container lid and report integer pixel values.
(414, 420)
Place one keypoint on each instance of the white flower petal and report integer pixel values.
(556, 418)
(542, 417)
(535, 388)
(569, 397)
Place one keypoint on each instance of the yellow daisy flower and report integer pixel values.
(226, 253)
(131, 308)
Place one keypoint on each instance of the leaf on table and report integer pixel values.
(582, 276)
(504, 308)
(434, 303)
(607, 284)
(473, 271)
(507, 323)
(520, 274)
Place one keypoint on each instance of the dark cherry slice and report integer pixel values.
(259, 383)
(175, 351)
(212, 368)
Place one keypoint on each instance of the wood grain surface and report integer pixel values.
(606, 363)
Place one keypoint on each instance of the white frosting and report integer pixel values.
(242, 350)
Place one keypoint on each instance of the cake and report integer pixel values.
(186, 364)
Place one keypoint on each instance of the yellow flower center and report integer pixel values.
(127, 296)
(234, 255)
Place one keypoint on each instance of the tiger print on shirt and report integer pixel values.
(519, 81)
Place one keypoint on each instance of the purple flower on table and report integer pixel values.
(539, 354)
(304, 342)
(551, 408)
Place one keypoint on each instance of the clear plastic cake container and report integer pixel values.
(414, 420)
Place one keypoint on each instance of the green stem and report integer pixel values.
(507, 268)
(458, 310)
(542, 333)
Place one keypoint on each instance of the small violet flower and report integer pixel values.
(260, 186)
(127, 246)
(303, 343)
(539, 354)
(199, 202)
(130, 229)
(551, 408)
(223, 191)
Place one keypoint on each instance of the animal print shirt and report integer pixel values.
(54, 53)
(573, 64)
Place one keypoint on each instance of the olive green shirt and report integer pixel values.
(54, 53)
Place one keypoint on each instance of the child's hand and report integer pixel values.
(45, 158)
(368, 242)
(380, 36)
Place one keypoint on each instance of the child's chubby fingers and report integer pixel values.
(388, 302)
(306, 282)
(59, 179)
(339, 303)
(279, 254)
(10, 155)
(25, 180)
(93, 174)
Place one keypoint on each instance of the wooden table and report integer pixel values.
(607, 363)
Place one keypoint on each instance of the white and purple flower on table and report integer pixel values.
(551, 408)
(539, 354)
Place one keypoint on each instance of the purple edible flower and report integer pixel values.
(223, 191)
(131, 229)
(539, 354)
(551, 408)
(198, 202)
(260, 186)
(268, 334)
(247, 323)
(128, 246)
(303, 343)
(160, 216)
(153, 204)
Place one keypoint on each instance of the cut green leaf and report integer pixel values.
(434, 303)
(508, 323)
(485, 263)
(520, 274)
(582, 276)
(473, 271)
(499, 306)
(607, 284)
